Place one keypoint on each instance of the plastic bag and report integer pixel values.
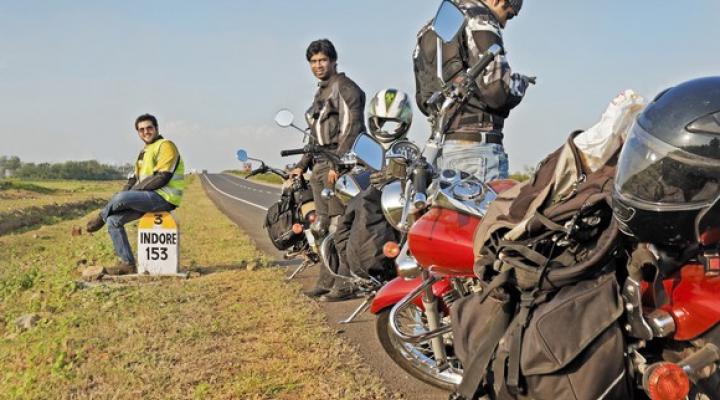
(600, 142)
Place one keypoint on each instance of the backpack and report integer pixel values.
(280, 218)
(549, 314)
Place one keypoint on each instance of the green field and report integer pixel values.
(226, 332)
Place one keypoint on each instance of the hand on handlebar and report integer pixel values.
(519, 83)
(332, 177)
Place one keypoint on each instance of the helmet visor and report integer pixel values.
(655, 174)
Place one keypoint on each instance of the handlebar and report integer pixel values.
(484, 61)
(315, 150)
(265, 169)
(292, 152)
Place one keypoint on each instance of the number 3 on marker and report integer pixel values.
(158, 219)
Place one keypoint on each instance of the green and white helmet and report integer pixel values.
(390, 115)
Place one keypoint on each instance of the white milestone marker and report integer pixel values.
(158, 243)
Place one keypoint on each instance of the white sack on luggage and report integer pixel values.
(601, 141)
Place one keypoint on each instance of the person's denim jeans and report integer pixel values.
(125, 207)
(487, 161)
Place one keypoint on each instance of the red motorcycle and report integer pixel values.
(435, 268)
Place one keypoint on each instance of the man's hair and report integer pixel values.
(146, 117)
(321, 46)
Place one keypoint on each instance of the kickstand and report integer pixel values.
(361, 309)
(305, 264)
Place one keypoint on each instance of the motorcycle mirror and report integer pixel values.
(242, 155)
(707, 225)
(448, 21)
(284, 118)
(369, 152)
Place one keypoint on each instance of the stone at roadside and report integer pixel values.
(93, 273)
(252, 265)
(27, 321)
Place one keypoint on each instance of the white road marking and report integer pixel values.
(242, 185)
(233, 197)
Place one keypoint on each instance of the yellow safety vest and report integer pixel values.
(145, 168)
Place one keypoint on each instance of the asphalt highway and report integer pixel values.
(245, 203)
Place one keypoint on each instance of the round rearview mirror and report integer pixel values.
(284, 118)
(448, 21)
(242, 155)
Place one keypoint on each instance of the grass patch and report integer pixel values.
(27, 186)
(227, 334)
(20, 195)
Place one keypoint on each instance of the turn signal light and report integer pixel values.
(297, 229)
(311, 217)
(666, 381)
(391, 250)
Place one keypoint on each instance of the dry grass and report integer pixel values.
(227, 334)
(15, 195)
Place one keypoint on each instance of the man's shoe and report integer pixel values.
(121, 268)
(316, 292)
(95, 224)
(338, 295)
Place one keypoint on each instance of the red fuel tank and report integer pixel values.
(442, 241)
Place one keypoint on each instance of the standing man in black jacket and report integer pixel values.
(335, 119)
(474, 142)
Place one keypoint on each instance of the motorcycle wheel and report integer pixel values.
(417, 359)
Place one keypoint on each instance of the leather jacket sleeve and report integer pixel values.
(307, 159)
(351, 108)
(495, 86)
(130, 183)
(156, 181)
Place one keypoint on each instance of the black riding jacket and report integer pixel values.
(336, 116)
(496, 94)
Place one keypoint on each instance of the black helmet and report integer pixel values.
(668, 173)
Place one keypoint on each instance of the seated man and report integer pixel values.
(156, 185)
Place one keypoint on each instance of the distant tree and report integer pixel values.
(81, 170)
(527, 173)
(13, 163)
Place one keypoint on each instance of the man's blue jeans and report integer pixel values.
(486, 161)
(125, 207)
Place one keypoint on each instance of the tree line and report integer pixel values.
(12, 166)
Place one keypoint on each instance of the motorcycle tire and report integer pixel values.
(417, 360)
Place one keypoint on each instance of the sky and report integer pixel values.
(74, 75)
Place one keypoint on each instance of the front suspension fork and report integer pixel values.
(432, 311)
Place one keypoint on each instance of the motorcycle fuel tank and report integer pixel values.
(442, 241)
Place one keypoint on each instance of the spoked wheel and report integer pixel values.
(417, 359)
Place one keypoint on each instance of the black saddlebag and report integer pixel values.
(279, 221)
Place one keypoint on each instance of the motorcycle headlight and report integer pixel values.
(392, 203)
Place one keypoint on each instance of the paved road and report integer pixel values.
(245, 203)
